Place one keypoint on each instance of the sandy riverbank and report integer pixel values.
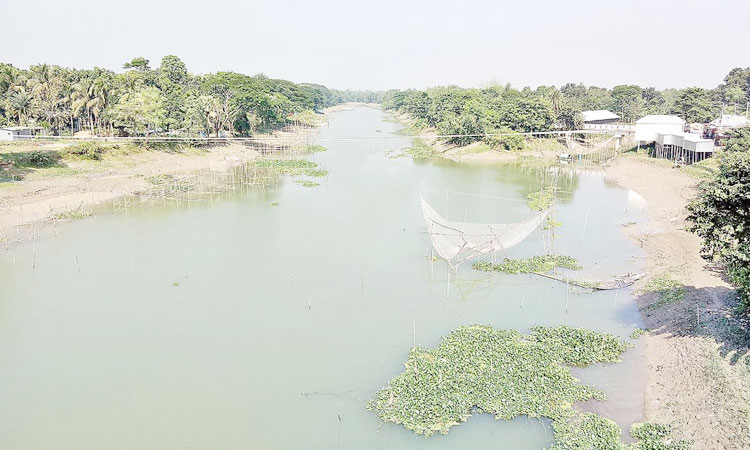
(74, 184)
(698, 372)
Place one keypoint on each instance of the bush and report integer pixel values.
(719, 214)
(86, 150)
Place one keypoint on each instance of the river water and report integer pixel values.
(266, 320)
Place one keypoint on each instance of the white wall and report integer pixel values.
(646, 132)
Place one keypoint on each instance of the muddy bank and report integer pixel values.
(696, 349)
(74, 184)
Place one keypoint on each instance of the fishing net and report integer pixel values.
(456, 242)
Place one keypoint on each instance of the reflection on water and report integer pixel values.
(239, 324)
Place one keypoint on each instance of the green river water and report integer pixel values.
(286, 319)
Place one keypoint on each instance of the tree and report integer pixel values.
(81, 96)
(627, 100)
(172, 80)
(138, 63)
(219, 112)
(20, 105)
(720, 214)
(140, 112)
(738, 141)
(696, 105)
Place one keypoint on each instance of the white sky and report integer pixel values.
(394, 44)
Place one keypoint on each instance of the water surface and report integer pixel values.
(238, 324)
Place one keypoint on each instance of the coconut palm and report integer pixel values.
(80, 97)
(41, 78)
(97, 98)
(20, 104)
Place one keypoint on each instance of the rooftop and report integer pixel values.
(661, 119)
(731, 120)
(600, 114)
(17, 128)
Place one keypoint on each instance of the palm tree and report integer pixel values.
(41, 78)
(98, 98)
(80, 97)
(20, 103)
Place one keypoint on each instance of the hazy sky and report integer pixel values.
(395, 44)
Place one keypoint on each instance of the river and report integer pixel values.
(266, 320)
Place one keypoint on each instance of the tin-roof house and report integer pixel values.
(17, 133)
(646, 128)
(600, 116)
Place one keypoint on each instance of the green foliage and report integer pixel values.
(137, 63)
(667, 289)
(542, 199)
(415, 128)
(420, 150)
(536, 264)
(140, 112)
(738, 140)
(652, 436)
(696, 105)
(36, 158)
(719, 215)
(498, 138)
(314, 172)
(315, 149)
(505, 373)
(86, 150)
(638, 332)
(169, 99)
(307, 183)
(286, 166)
(71, 215)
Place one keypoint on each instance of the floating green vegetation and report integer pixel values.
(541, 200)
(420, 150)
(654, 436)
(638, 332)
(535, 264)
(71, 215)
(285, 166)
(307, 183)
(314, 172)
(274, 204)
(667, 290)
(315, 149)
(477, 369)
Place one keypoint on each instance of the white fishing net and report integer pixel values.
(456, 242)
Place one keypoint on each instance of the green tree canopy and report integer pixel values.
(720, 214)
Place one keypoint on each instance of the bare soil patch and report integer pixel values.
(697, 347)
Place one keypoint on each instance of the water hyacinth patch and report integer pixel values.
(285, 166)
(478, 369)
(315, 172)
(541, 200)
(536, 264)
(315, 149)
(307, 183)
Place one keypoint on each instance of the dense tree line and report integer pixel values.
(142, 100)
(720, 213)
(457, 111)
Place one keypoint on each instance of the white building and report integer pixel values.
(15, 133)
(600, 116)
(682, 147)
(646, 128)
(729, 121)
